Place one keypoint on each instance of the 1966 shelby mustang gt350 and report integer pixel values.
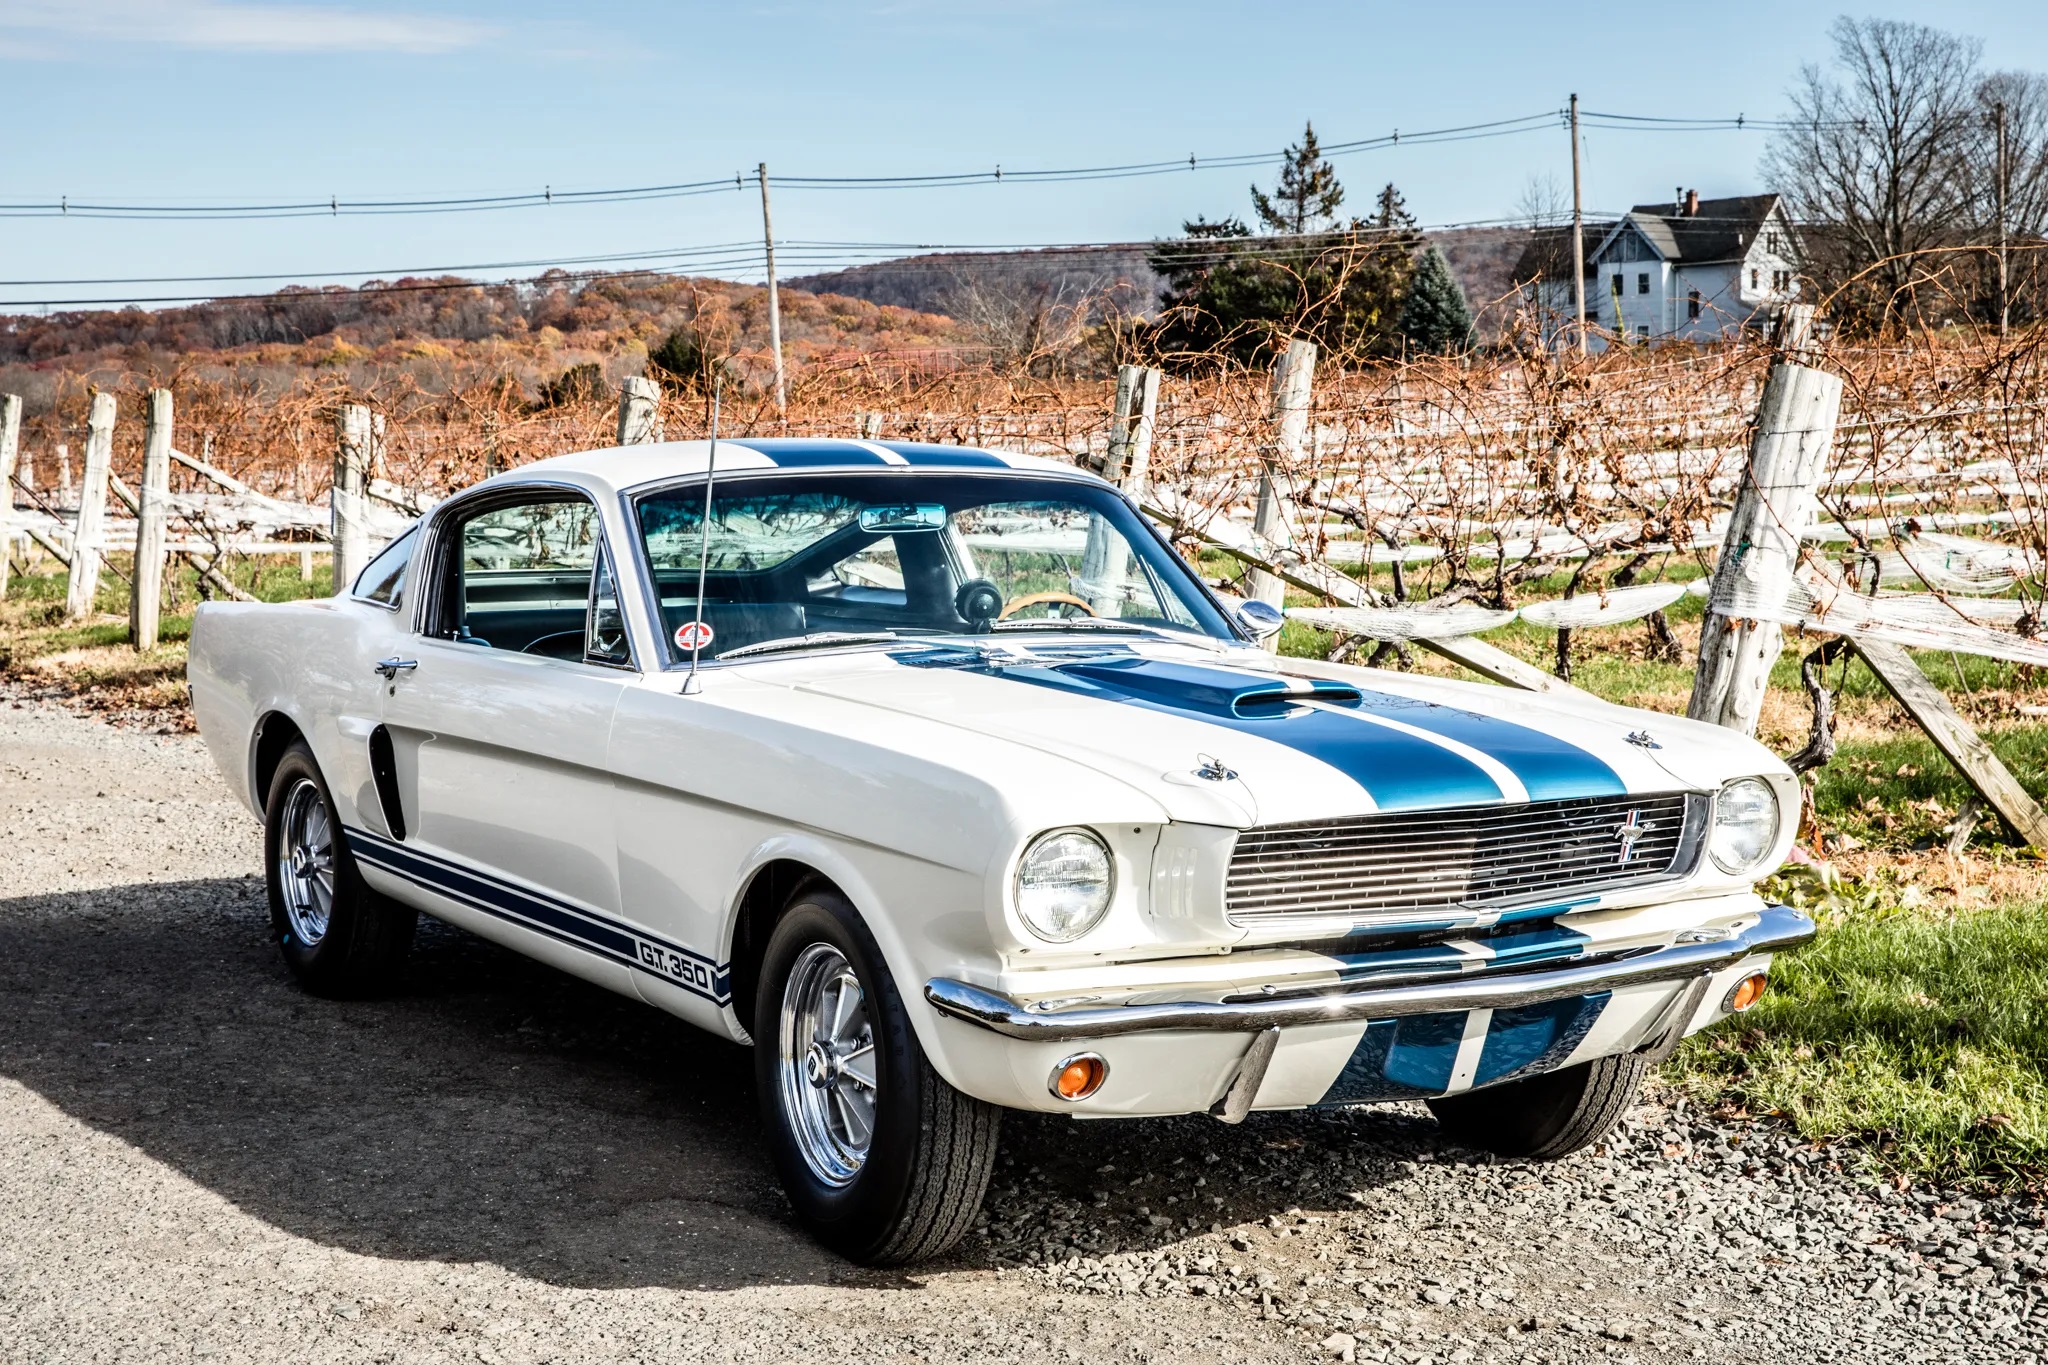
(938, 776)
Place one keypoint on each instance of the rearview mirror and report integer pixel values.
(909, 516)
(1262, 620)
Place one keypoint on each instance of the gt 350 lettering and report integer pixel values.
(673, 965)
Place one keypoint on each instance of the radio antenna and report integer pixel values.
(690, 683)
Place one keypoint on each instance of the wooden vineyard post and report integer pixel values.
(1105, 561)
(84, 585)
(639, 412)
(152, 506)
(1129, 460)
(348, 507)
(1959, 743)
(1739, 639)
(10, 448)
(1293, 379)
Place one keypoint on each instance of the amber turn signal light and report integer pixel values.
(1747, 992)
(1079, 1076)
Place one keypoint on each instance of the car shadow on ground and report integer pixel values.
(501, 1111)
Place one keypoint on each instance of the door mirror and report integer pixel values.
(1261, 620)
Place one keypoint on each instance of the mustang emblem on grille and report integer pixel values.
(1629, 831)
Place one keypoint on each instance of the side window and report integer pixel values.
(519, 578)
(605, 634)
(383, 577)
(875, 565)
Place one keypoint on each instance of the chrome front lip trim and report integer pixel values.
(1778, 927)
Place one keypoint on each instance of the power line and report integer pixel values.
(816, 257)
(335, 206)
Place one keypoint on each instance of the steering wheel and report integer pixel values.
(1043, 599)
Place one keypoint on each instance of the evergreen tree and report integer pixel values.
(1233, 292)
(1307, 196)
(1435, 316)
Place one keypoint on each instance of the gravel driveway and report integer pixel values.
(197, 1161)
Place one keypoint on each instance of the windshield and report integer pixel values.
(906, 555)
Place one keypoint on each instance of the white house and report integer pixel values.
(1697, 270)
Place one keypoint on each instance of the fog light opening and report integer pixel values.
(1077, 1077)
(1747, 992)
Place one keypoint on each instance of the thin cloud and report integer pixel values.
(227, 26)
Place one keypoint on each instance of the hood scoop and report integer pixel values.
(1218, 691)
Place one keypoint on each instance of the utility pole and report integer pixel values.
(1998, 178)
(774, 302)
(1578, 235)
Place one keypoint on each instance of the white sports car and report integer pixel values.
(938, 776)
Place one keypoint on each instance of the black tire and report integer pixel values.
(362, 948)
(921, 1180)
(1544, 1117)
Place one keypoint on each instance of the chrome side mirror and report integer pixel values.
(1261, 620)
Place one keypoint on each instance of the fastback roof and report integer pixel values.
(627, 467)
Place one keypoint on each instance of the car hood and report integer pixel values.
(1233, 739)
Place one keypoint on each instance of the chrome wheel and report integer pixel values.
(827, 1064)
(305, 863)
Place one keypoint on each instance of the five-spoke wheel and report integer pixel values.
(883, 1161)
(305, 872)
(338, 936)
(828, 1064)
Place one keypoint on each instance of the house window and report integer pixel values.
(1643, 282)
(1771, 244)
(1692, 304)
(1643, 331)
(1617, 284)
(1781, 281)
(1754, 276)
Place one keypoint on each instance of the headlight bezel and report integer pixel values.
(1087, 923)
(1769, 827)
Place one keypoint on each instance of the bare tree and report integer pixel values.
(1029, 327)
(1870, 159)
(1543, 202)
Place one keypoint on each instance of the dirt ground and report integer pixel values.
(200, 1162)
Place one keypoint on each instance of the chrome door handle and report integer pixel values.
(390, 668)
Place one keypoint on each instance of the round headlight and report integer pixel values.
(1063, 884)
(1745, 824)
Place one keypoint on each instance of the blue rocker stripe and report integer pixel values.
(530, 909)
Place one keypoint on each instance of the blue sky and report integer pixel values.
(197, 101)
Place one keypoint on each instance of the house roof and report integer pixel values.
(1722, 230)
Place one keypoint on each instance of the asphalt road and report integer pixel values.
(198, 1161)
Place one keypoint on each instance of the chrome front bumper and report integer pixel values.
(1778, 927)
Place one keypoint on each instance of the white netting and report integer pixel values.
(1614, 607)
(1403, 623)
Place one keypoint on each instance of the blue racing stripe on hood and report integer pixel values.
(1400, 771)
(1548, 766)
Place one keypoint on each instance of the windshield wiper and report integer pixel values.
(824, 639)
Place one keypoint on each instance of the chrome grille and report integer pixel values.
(1377, 866)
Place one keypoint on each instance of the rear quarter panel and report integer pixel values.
(251, 660)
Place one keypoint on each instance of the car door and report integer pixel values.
(497, 722)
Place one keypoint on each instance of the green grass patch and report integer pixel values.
(1918, 1032)
(1899, 790)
